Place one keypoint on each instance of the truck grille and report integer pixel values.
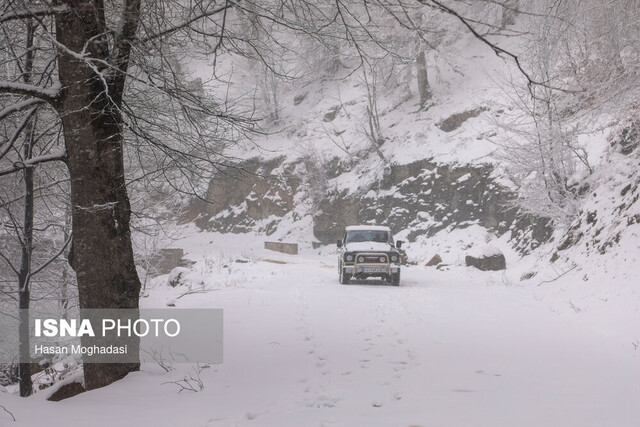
(372, 259)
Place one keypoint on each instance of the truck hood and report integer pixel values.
(369, 247)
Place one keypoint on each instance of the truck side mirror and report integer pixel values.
(399, 244)
(339, 243)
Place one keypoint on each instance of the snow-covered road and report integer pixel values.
(447, 348)
(443, 349)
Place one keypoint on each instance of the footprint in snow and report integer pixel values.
(322, 402)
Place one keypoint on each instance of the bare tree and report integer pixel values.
(584, 56)
(29, 139)
(92, 62)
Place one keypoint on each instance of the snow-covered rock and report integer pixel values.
(486, 257)
(434, 261)
(177, 276)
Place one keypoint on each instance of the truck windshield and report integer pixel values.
(367, 236)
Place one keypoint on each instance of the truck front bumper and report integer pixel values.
(373, 269)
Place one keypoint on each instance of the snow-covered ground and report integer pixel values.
(452, 347)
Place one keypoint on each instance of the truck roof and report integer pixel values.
(368, 227)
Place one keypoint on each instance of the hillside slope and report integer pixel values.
(433, 169)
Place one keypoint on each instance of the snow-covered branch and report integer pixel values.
(33, 11)
(49, 94)
(20, 106)
(59, 155)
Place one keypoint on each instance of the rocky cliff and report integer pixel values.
(423, 198)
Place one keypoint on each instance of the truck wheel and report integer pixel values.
(343, 276)
(395, 279)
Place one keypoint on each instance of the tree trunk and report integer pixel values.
(423, 78)
(102, 253)
(24, 348)
(24, 274)
(64, 286)
(24, 367)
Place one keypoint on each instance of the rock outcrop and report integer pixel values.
(424, 197)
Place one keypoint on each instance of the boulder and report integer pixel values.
(486, 258)
(66, 391)
(434, 261)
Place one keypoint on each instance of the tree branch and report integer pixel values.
(54, 257)
(49, 95)
(497, 49)
(6, 203)
(20, 106)
(17, 132)
(8, 412)
(18, 166)
(186, 24)
(33, 11)
(8, 261)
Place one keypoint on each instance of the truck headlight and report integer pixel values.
(383, 259)
(394, 258)
(349, 257)
(360, 259)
